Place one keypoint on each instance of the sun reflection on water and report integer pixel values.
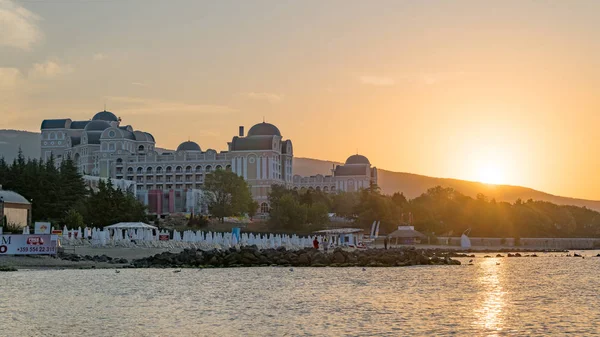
(489, 311)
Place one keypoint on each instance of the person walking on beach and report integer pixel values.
(316, 243)
(325, 246)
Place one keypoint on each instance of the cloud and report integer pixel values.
(263, 96)
(378, 81)
(149, 106)
(99, 57)
(18, 26)
(49, 69)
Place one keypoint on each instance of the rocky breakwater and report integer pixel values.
(95, 258)
(251, 256)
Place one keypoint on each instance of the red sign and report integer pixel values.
(163, 237)
(35, 240)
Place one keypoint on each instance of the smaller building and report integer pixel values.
(15, 207)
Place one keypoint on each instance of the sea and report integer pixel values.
(528, 296)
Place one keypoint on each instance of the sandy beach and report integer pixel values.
(44, 261)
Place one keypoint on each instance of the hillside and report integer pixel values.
(412, 185)
(11, 140)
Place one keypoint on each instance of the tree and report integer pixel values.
(226, 194)
(110, 205)
(288, 213)
(73, 219)
(317, 214)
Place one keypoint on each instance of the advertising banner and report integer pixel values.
(42, 228)
(27, 244)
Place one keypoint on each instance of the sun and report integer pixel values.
(490, 173)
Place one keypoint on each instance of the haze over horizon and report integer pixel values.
(498, 92)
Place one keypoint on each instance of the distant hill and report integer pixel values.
(412, 185)
(11, 140)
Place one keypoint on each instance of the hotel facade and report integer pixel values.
(172, 181)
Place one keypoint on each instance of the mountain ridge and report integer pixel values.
(411, 184)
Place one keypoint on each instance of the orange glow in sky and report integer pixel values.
(499, 92)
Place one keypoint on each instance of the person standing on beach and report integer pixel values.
(325, 246)
(385, 243)
(316, 243)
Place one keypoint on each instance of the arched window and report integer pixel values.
(169, 169)
(139, 170)
(111, 147)
(325, 189)
(149, 170)
(159, 170)
(198, 169)
(141, 148)
(178, 169)
(228, 168)
(219, 167)
(130, 170)
(208, 168)
(119, 161)
(264, 207)
(188, 169)
(319, 188)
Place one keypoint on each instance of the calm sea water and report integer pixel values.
(520, 296)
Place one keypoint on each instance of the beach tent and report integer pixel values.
(407, 235)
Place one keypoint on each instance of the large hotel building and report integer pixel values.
(171, 181)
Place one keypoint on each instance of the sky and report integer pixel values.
(494, 91)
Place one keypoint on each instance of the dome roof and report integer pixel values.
(97, 125)
(264, 129)
(189, 146)
(12, 197)
(357, 159)
(105, 116)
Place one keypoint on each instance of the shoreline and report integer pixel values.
(102, 257)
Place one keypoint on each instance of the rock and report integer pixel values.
(303, 259)
(517, 255)
(338, 257)
(499, 255)
(510, 255)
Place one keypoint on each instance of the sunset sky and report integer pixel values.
(501, 92)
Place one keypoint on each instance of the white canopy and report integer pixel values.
(130, 225)
(340, 231)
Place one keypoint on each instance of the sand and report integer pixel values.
(44, 261)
